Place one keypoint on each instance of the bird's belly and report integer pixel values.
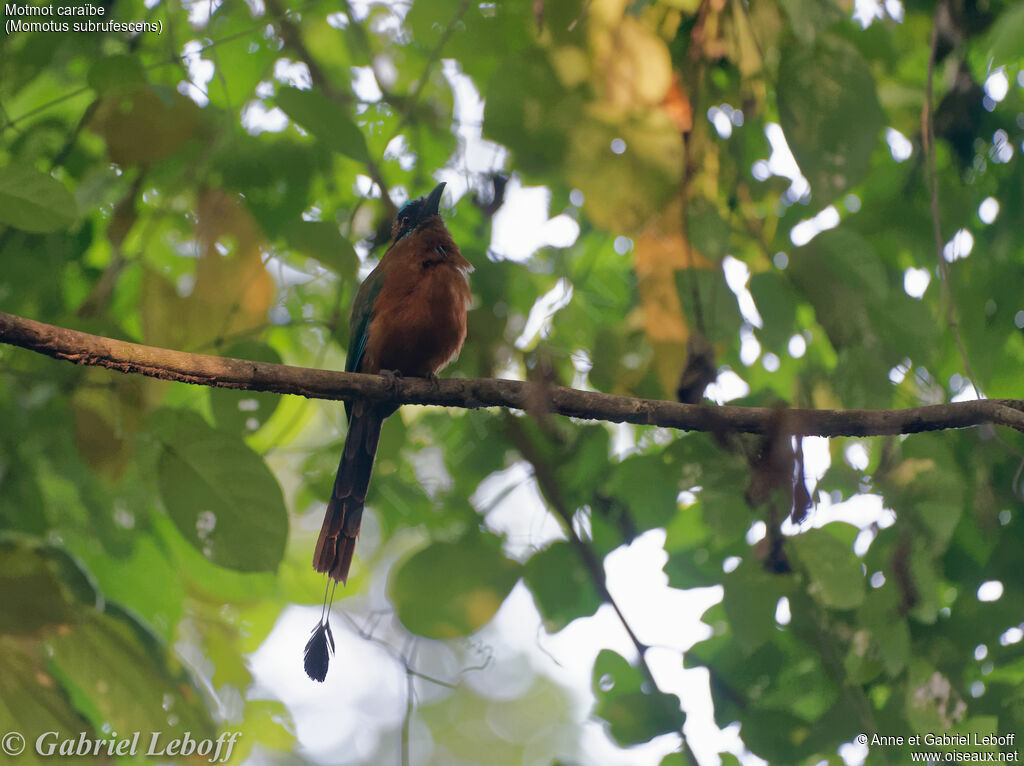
(419, 335)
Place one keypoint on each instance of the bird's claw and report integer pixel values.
(390, 379)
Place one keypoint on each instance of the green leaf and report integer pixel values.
(148, 582)
(635, 711)
(926, 582)
(830, 114)
(219, 493)
(707, 230)
(34, 201)
(721, 501)
(776, 735)
(720, 312)
(808, 17)
(846, 282)
(32, 595)
(561, 586)
(589, 458)
(931, 700)
(323, 241)
(429, 21)
(243, 412)
(1006, 39)
(689, 564)
(116, 75)
(118, 674)
(324, 119)
(776, 302)
(451, 589)
(751, 597)
(647, 487)
(834, 573)
(32, 703)
(889, 633)
(274, 174)
(21, 502)
(524, 88)
(242, 58)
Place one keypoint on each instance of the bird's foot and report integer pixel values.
(435, 382)
(390, 379)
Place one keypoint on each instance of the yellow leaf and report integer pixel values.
(677, 106)
(571, 65)
(910, 469)
(232, 292)
(632, 64)
(624, 190)
(659, 253)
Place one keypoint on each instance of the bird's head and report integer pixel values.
(415, 213)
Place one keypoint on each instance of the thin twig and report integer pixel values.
(410, 705)
(551, 489)
(292, 38)
(359, 30)
(578, 19)
(549, 486)
(432, 59)
(406, 658)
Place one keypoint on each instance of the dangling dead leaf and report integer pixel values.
(700, 370)
(677, 105)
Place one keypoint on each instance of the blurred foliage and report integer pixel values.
(190, 189)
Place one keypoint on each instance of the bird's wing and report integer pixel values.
(359, 323)
(362, 315)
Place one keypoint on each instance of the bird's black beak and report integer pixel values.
(434, 200)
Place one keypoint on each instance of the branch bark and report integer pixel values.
(223, 372)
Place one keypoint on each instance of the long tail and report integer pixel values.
(338, 535)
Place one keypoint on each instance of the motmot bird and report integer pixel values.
(408, 318)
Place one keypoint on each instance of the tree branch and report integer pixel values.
(471, 393)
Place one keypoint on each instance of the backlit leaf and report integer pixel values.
(835, 578)
(634, 708)
(451, 589)
(324, 119)
(561, 585)
(830, 114)
(34, 201)
(220, 494)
